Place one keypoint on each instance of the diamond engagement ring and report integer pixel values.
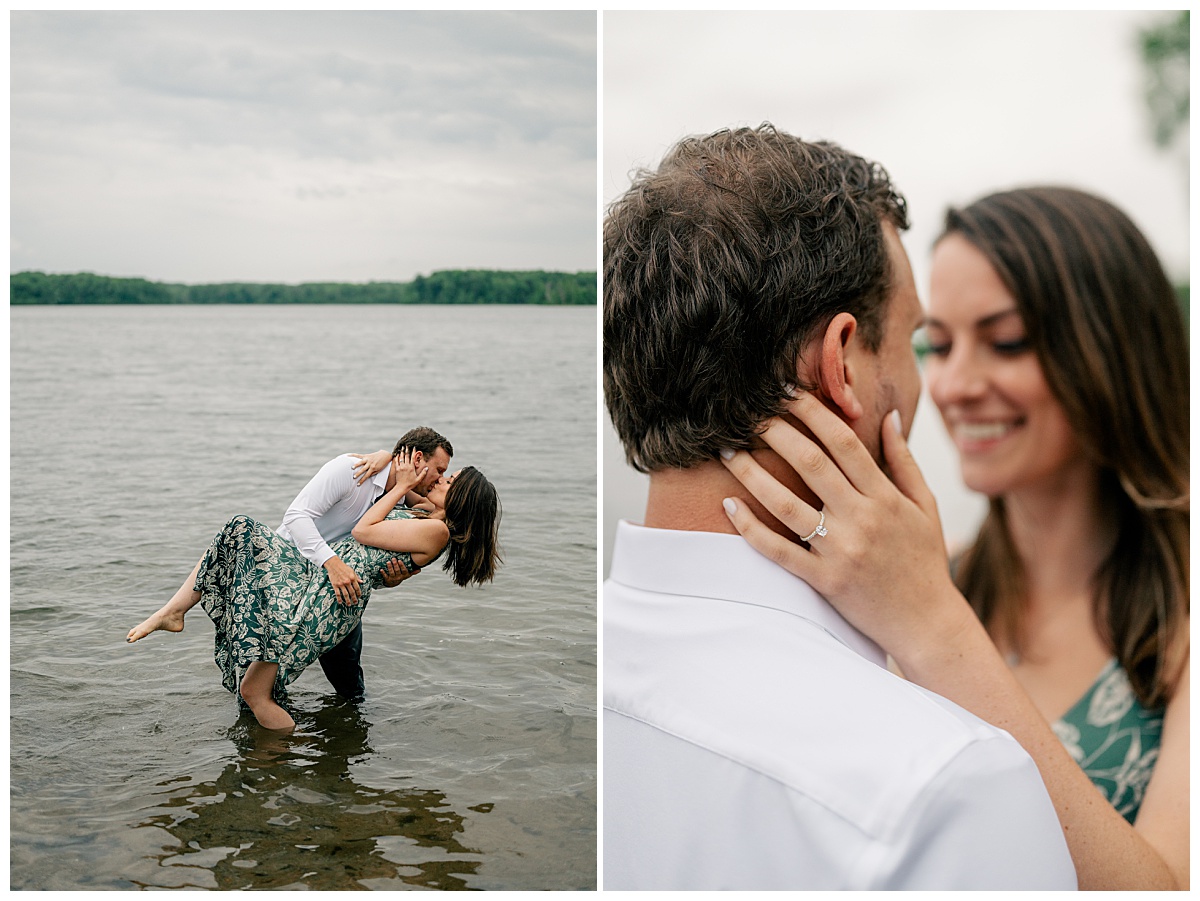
(820, 531)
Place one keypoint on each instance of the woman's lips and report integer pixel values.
(983, 435)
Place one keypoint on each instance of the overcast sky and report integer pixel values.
(293, 146)
(954, 105)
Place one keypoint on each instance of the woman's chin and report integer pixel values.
(990, 484)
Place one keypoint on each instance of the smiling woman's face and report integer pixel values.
(985, 378)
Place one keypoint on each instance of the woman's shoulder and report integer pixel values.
(435, 531)
(438, 527)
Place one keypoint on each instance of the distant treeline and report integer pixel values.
(450, 287)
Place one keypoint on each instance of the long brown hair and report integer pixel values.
(1109, 336)
(473, 516)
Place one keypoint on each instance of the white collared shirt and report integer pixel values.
(754, 740)
(329, 506)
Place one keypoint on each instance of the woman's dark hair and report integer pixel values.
(473, 516)
(1109, 336)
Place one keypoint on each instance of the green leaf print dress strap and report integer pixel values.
(1114, 739)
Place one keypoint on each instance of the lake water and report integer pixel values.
(136, 432)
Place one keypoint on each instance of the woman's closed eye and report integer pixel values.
(1011, 348)
(925, 346)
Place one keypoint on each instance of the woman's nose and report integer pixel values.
(959, 377)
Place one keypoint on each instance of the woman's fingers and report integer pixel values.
(906, 475)
(791, 556)
(790, 510)
(810, 461)
(845, 447)
(362, 469)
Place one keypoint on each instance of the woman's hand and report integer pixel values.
(881, 562)
(408, 476)
(880, 559)
(370, 464)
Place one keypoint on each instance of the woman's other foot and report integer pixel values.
(164, 620)
(256, 690)
(274, 717)
(268, 713)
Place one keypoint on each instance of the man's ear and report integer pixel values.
(839, 365)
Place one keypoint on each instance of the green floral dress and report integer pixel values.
(1114, 739)
(269, 602)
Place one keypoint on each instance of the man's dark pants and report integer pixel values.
(342, 667)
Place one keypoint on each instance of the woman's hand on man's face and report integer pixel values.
(879, 556)
(410, 474)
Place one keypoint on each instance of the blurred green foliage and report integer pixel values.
(455, 286)
(1166, 51)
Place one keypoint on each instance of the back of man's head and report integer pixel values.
(424, 439)
(718, 267)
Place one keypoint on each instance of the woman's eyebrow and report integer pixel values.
(982, 323)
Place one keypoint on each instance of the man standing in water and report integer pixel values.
(327, 509)
(753, 739)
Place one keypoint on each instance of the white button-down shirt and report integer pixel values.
(754, 740)
(329, 506)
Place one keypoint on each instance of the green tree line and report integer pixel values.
(454, 286)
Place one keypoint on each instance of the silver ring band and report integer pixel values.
(820, 531)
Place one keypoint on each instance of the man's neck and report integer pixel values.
(690, 499)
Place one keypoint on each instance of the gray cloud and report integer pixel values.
(954, 104)
(135, 135)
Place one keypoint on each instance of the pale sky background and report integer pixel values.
(302, 146)
(954, 105)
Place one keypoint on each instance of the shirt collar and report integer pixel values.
(380, 481)
(724, 567)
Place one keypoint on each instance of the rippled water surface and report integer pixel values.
(135, 434)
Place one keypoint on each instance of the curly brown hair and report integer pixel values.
(425, 440)
(718, 266)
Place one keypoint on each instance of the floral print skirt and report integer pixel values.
(268, 602)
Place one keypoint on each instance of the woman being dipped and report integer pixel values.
(1058, 361)
(275, 612)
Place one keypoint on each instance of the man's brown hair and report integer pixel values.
(424, 439)
(718, 266)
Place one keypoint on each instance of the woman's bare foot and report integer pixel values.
(256, 691)
(169, 617)
(164, 620)
(272, 716)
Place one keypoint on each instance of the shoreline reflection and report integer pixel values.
(288, 813)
